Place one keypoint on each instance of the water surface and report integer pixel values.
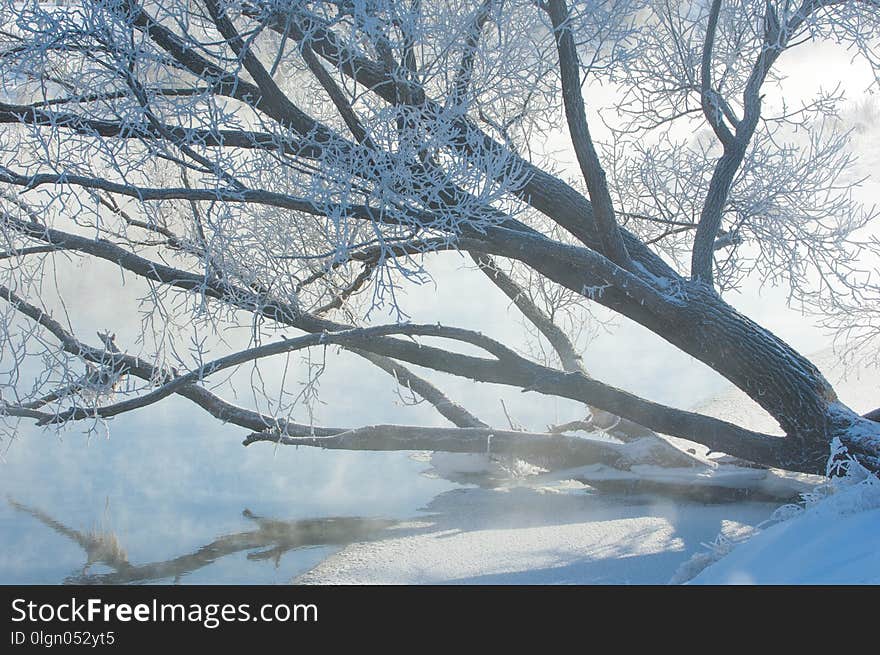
(173, 496)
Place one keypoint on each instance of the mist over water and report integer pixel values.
(168, 482)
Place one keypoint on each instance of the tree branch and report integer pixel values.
(710, 99)
(522, 244)
(343, 106)
(569, 66)
(30, 250)
(462, 80)
(354, 336)
(775, 40)
(570, 359)
(112, 358)
(543, 191)
(452, 411)
(548, 450)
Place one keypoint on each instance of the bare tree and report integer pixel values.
(292, 165)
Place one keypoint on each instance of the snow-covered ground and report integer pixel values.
(529, 535)
(548, 530)
(833, 539)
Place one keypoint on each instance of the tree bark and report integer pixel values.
(699, 322)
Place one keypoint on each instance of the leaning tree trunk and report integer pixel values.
(774, 375)
(784, 383)
(787, 385)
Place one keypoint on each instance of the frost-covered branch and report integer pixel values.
(603, 210)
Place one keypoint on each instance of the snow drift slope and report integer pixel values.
(835, 539)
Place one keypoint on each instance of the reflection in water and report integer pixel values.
(269, 541)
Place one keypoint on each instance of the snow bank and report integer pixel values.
(832, 538)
